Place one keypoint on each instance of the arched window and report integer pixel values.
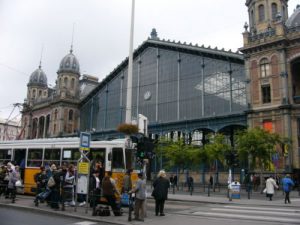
(33, 93)
(72, 83)
(55, 114)
(40, 93)
(252, 18)
(264, 68)
(71, 114)
(65, 82)
(261, 13)
(274, 11)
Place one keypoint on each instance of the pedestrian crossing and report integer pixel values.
(270, 214)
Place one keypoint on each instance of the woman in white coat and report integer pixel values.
(270, 187)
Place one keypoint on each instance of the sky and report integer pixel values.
(34, 30)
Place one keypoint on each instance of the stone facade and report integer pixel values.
(271, 48)
(53, 112)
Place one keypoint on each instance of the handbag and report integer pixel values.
(265, 191)
(51, 182)
(125, 199)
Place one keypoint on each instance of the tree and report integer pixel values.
(257, 146)
(177, 152)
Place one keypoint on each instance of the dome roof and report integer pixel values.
(294, 19)
(38, 77)
(69, 64)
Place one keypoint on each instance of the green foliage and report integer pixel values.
(257, 145)
(177, 152)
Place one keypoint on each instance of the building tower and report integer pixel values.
(65, 113)
(271, 48)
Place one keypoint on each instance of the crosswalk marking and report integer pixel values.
(85, 223)
(262, 208)
(260, 213)
(256, 212)
(251, 217)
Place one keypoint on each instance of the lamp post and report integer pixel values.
(130, 62)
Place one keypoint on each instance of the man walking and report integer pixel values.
(140, 197)
(287, 185)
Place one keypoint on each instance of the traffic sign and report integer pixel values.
(85, 140)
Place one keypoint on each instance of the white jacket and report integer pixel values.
(271, 185)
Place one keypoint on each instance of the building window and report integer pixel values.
(268, 125)
(65, 82)
(266, 93)
(274, 11)
(72, 83)
(71, 115)
(40, 93)
(261, 13)
(55, 114)
(264, 68)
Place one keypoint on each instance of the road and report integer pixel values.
(230, 214)
(14, 216)
(177, 212)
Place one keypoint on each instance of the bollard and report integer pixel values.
(208, 190)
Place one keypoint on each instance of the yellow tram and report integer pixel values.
(117, 156)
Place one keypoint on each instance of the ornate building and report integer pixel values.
(53, 112)
(272, 61)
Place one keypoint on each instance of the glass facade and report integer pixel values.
(169, 85)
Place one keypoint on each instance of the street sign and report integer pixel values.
(85, 140)
(83, 168)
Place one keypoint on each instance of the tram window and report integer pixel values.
(52, 156)
(5, 156)
(117, 158)
(34, 157)
(70, 155)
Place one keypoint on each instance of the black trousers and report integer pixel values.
(111, 199)
(159, 206)
(287, 197)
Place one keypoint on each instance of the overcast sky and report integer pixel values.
(101, 34)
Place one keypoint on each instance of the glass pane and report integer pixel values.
(5, 155)
(52, 156)
(34, 157)
(117, 160)
(70, 156)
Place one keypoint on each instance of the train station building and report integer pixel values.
(185, 90)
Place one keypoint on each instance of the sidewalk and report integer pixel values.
(26, 203)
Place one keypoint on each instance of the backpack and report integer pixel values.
(51, 182)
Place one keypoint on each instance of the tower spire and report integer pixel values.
(71, 50)
(40, 65)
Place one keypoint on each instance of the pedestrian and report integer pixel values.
(68, 186)
(14, 176)
(3, 179)
(109, 190)
(95, 190)
(287, 185)
(190, 184)
(55, 189)
(211, 180)
(175, 181)
(270, 187)
(40, 179)
(160, 192)
(140, 197)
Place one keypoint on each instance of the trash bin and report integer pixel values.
(235, 190)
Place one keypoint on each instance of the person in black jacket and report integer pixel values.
(160, 192)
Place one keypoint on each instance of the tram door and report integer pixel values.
(19, 159)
